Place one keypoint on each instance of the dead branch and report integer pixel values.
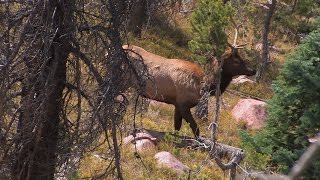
(305, 160)
(82, 93)
(236, 155)
(35, 42)
(88, 62)
(216, 150)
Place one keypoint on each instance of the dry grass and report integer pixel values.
(164, 41)
(160, 118)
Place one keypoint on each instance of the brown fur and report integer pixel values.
(178, 82)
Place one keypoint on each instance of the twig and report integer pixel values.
(88, 62)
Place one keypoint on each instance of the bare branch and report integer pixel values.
(305, 160)
(88, 62)
(83, 94)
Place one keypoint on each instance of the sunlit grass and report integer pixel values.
(160, 118)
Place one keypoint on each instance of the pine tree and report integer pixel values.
(209, 22)
(294, 110)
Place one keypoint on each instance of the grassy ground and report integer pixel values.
(160, 118)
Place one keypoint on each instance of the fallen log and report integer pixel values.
(217, 151)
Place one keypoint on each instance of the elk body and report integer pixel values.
(178, 82)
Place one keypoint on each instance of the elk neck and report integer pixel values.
(225, 81)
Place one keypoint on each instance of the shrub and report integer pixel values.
(294, 110)
(208, 26)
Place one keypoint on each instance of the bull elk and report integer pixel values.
(178, 82)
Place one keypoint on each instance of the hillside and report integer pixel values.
(164, 40)
(73, 97)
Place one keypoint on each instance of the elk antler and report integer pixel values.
(235, 35)
(234, 45)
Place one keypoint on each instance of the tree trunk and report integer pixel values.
(265, 60)
(42, 92)
(138, 17)
(295, 2)
(39, 129)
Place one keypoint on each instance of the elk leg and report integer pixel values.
(186, 114)
(177, 119)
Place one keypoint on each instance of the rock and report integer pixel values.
(251, 111)
(144, 145)
(242, 80)
(276, 49)
(120, 99)
(166, 159)
(131, 139)
(143, 142)
(315, 138)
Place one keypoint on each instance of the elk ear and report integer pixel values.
(227, 53)
(229, 49)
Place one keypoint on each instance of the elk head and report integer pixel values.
(234, 65)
